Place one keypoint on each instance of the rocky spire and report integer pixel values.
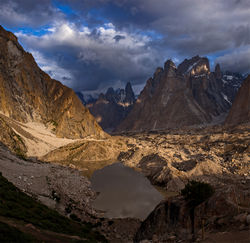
(110, 95)
(129, 94)
(169, 64)
(217, 71)
(170, 68)
(240, 111)
(195, 66)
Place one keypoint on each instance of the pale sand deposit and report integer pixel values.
(38, 139)
(45, 141)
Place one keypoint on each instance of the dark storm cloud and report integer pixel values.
(86, 53)
(93, 58)
(117, 38)
(188, 27)
(236, 61)
(28, 13)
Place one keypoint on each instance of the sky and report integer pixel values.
(90, 45)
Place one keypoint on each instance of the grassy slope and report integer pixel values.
(11, 234)
(14, 204)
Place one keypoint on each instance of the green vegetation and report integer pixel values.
(196, 192)
(20, 139)
(54, 123)
(20, 154)
(11, 234)
(15, 204)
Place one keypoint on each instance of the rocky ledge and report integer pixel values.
(227, 210)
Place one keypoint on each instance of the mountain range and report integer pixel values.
(111, 108)
(41, 120)
(187, 95)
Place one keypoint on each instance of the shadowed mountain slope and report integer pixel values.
(175, 97)
(240, 111)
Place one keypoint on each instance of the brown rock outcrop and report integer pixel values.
(240, 111)
(29, 94)
(9, 137)
(171, 217)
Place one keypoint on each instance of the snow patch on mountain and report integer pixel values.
(226, 98)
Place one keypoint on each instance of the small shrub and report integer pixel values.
(75, 218)
(20, 154)
(196, 192)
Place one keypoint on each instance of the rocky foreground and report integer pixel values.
(170, 159)
(214, 155)
(64, 189)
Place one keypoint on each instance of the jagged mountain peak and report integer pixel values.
(168, 65)
(217, 71)
(129, 94)
(113, 106)
(158, 71)
(195, 66)
(128, 87)
(110, 91)
(7, 34)
(190, 95)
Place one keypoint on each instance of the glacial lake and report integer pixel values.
(124, 192)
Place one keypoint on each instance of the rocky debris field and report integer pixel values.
(214, 155)
(65, 190)
(171, 158)
(168, 158)
(57, 187)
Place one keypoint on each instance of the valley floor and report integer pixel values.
(168, 158)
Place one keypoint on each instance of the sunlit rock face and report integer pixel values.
(111, 108)
(29, 94)
(187, 95)
(240, 111)
(194, 66)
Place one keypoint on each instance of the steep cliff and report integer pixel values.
(165, 102)
(29, 94)
(240, 111)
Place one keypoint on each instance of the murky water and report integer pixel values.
(124, 192)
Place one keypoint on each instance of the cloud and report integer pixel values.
(117, 38)
(236, 61)
(51, 67)
(101, 42)
(187, 28)
(15, 13)
(93, 56)
(191, 27)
